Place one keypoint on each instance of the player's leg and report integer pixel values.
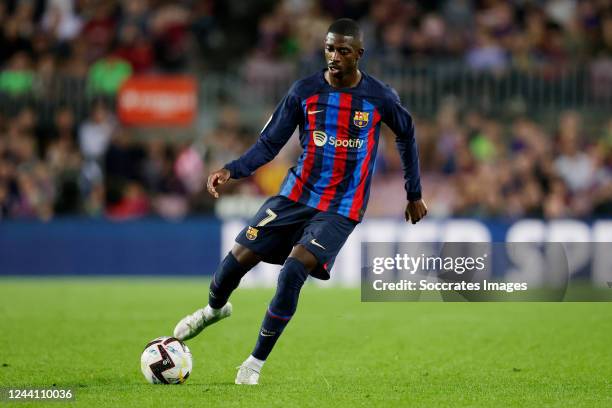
(225, 280)
(292, 276)
(314, 254)
(267, 237)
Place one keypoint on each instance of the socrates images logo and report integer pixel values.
(319, 138)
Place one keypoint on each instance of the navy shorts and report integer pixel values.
(281, 223)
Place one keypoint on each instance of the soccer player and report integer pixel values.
(339, 112)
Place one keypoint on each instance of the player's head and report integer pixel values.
(343, 47)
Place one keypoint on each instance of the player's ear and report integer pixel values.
(360, 52)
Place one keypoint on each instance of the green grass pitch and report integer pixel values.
(88, 335)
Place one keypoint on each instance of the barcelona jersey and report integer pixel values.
(339, 133)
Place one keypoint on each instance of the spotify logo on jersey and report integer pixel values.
(319, 138)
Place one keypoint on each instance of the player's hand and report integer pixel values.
(415, 210)
(218, 177)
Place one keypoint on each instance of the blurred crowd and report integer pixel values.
(99, 42)
(472, 165)
(93, 168)
(105, 41)
(79, 160)
(487, 35)
(477, 166)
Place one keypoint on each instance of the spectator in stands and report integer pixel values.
(134, 48)
(94, 138)
(17, 79)
(107, 74)
(60, 21)
(575, 166)
(96, 131)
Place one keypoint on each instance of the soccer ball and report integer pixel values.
(166, 360)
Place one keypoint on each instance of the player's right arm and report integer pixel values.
(216, 178)
(274, 135)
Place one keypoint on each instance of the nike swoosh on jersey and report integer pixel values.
(313, 112)
(314, 242)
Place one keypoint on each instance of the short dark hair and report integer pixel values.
(345, 26)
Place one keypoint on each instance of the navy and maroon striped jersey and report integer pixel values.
(339, 132)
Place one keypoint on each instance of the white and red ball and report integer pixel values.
(166, 360)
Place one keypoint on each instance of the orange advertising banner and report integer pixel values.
(153, 100)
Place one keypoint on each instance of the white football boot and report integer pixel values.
(190, 326)
(247, 375)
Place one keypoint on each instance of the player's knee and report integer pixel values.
(290, 282)
(307, 258)
(245, 256)
(292, 275)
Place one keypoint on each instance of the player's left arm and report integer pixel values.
(401, 123)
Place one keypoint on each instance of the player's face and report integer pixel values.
(341, 53)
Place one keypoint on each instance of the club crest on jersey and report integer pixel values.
(251, 233)
(361, 118)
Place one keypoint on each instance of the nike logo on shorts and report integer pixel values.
(314, 242)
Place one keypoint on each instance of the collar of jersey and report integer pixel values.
(353, 88)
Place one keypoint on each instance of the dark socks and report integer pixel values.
(284, 303)
(225, 280)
